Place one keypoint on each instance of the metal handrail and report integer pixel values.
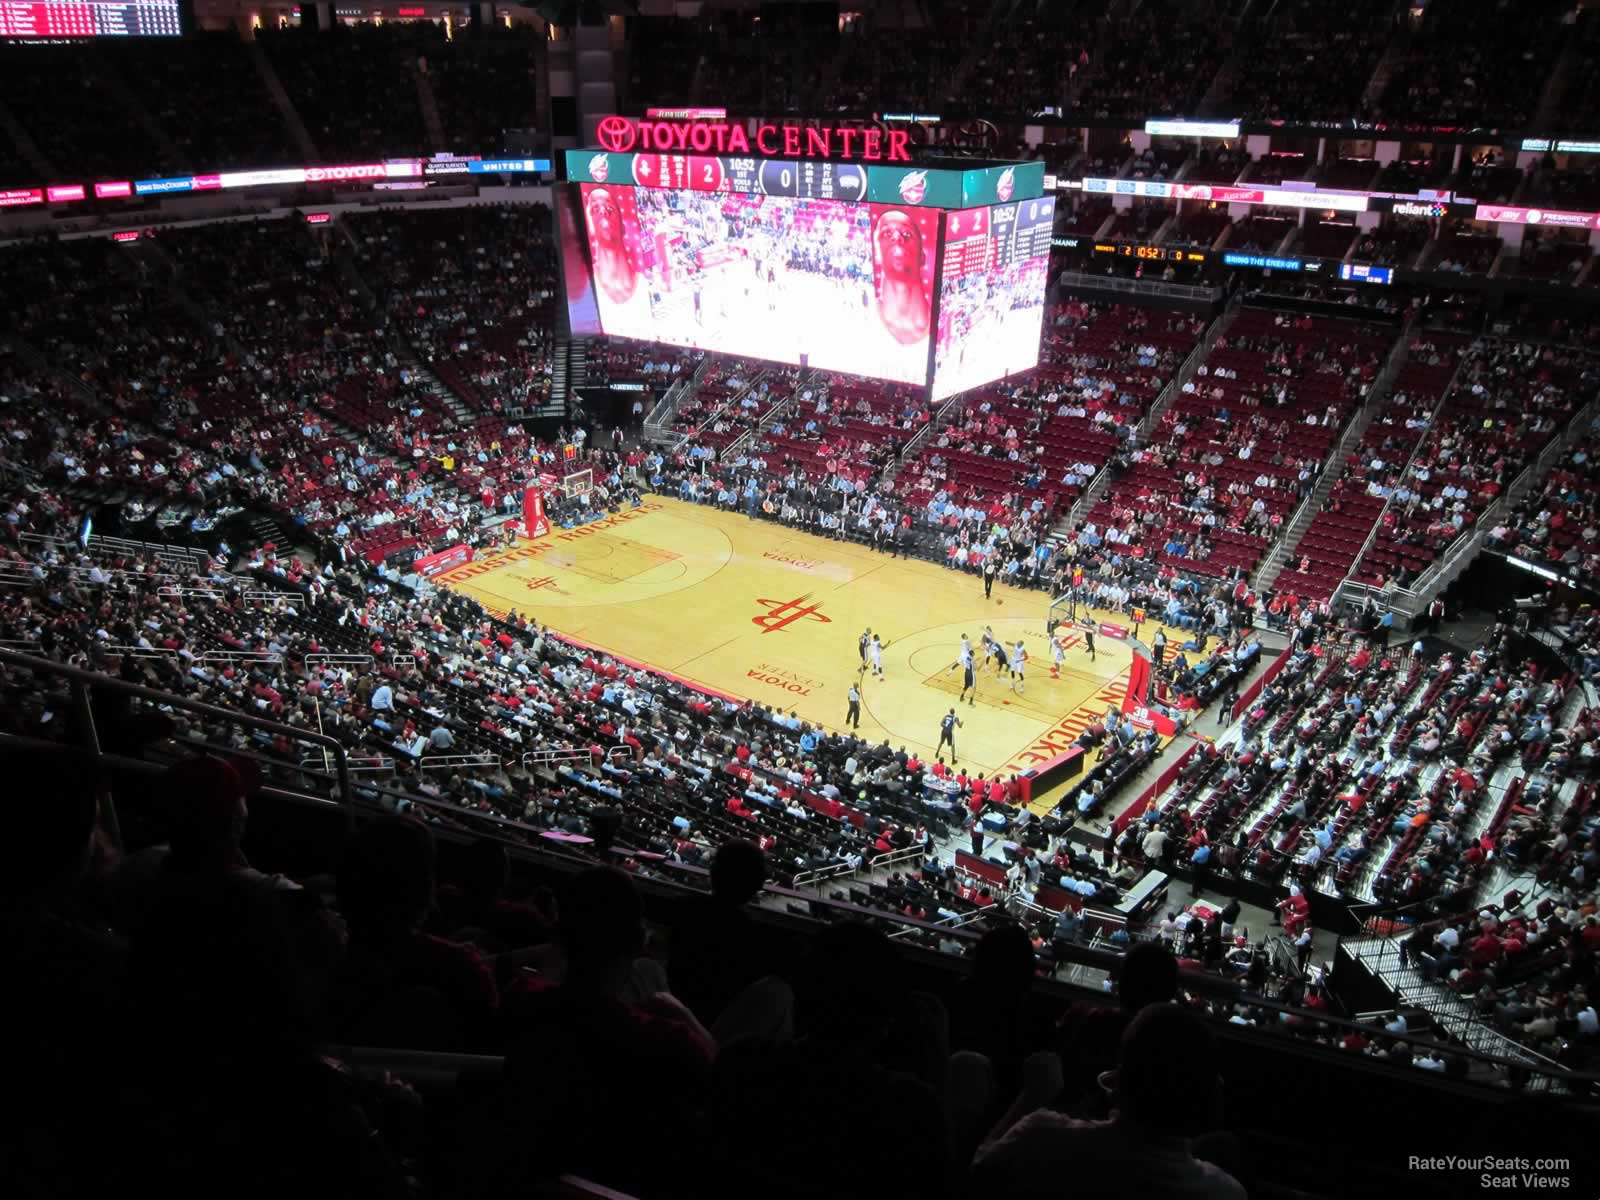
(1142, 287)
(722, 408)
(82, 681)
(1341, 449)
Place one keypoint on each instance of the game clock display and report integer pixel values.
(1150, 253)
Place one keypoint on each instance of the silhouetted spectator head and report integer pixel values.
(1004, 960)
(1168, 1053)
(49, 824)
(485, 869)
(847, 990)
(1149, 976)
(602, 919)
(386, 878)
(737, 872)
(218, 966)
(205, 799)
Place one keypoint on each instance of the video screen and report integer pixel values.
(576, 272)
(825, 283)
(28, 19)
(991, 293)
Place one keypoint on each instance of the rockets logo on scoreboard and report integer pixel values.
(599, 167)
(913, 186)
(1006, 184)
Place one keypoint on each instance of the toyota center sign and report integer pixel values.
(620, 135)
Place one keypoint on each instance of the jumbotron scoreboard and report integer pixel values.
(931, 274)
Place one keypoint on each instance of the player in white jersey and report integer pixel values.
(1058, 655)
(969, 672)
(1019, 663)
(963, 655)
(875, 655)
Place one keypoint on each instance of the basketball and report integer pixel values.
(999, 601)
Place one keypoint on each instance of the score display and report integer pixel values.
(89, 18)
(1366, 273)
(802, 179)
(1150, 253)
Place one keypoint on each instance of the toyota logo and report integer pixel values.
(617, 134)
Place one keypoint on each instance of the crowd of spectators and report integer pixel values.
(1507, 402)
(1133, 77)
(178, 83)
(87, 133)
(472, 291)
(485, 82)
(1282, 72)
(1556, 525)
(355, 87)
(1476, 64)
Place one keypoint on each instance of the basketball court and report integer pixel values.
(758, 611)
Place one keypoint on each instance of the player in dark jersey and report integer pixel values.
(947, 733)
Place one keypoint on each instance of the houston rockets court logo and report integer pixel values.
(781, 614)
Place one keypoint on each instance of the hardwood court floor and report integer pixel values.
(756, 610)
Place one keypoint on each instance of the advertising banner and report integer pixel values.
(1002, 185)
(534, 522)
(915, 185)
(430, 565)
(1538, 216)
(599, 166)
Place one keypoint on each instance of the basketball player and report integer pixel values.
(969, 683)
(852, 717)
(1058, 655)
(1019, 663)
(969, 674)
(861, 645)
(613, 270)
(963, 655)
(875, 654)
(1001, 661)
(947, 734)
